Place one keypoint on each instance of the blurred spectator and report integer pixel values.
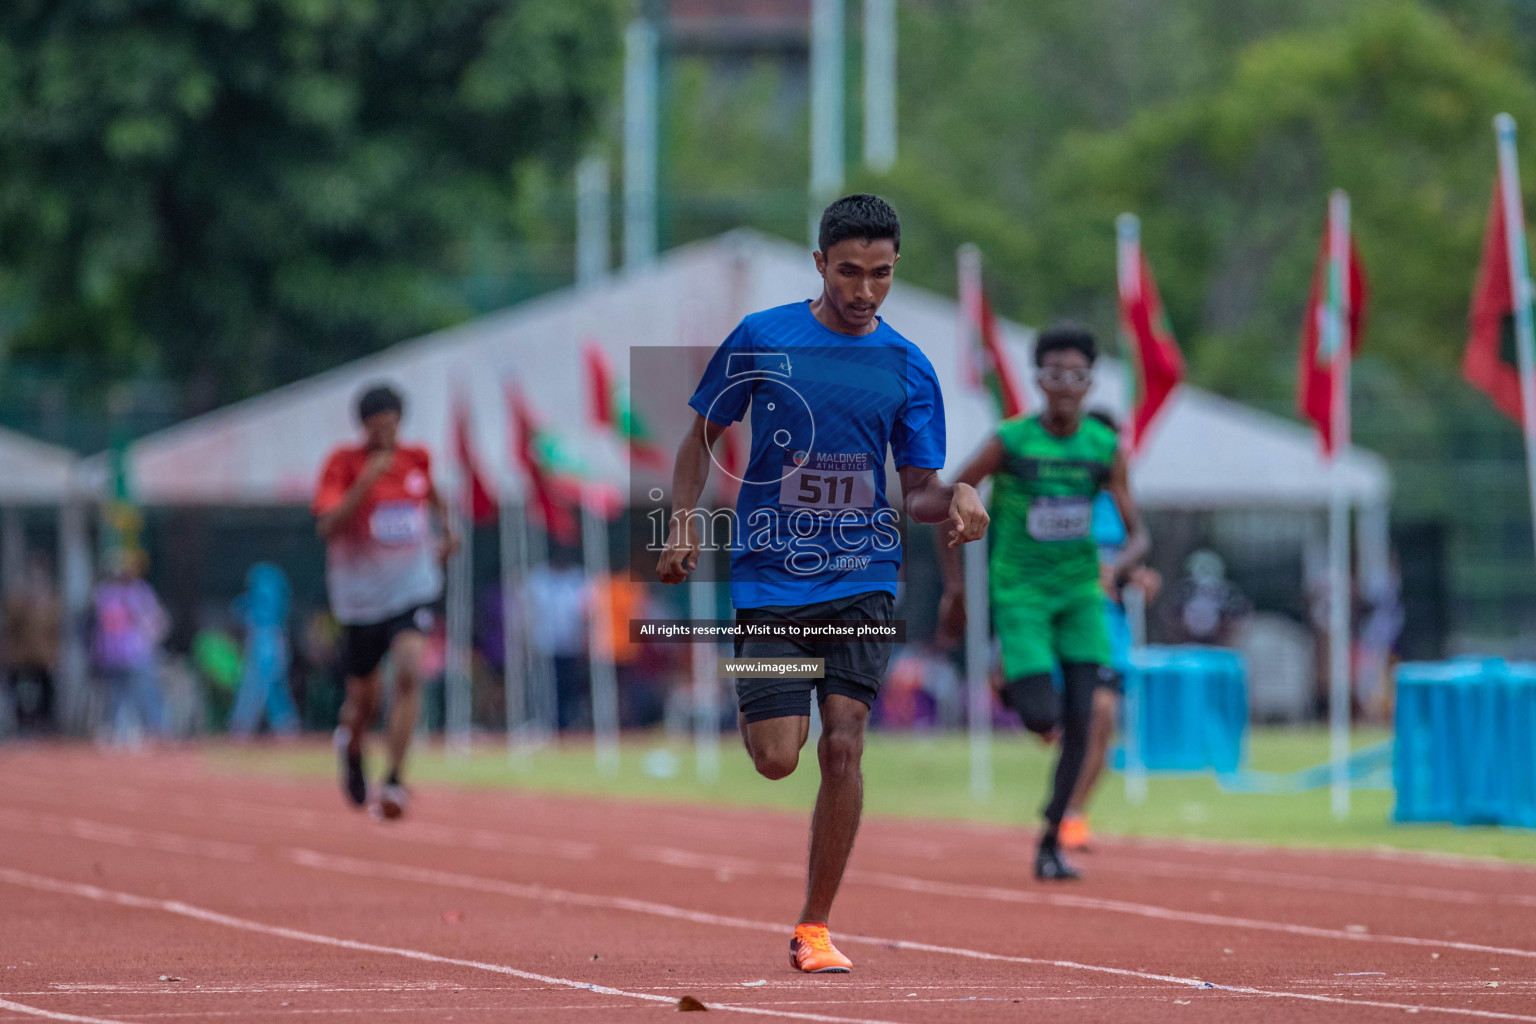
(263, 609)
(31, 646)
(1204, 607)
(557, 605)
(218, 660)
(318, 669)
(1380, 619)
(642, 682)
(489, 636)
(921, 691)
(129, 625)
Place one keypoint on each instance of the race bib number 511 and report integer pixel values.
(1060, 518)
(828, 480)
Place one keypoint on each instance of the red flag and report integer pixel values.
(599, 385)
(478, 503)
(1490, 363)
(551, 496)
(1315, 370)
(608, 402)
(1159, 363)
(990, 367)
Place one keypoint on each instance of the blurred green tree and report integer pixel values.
(1396, 107)
(237, 193)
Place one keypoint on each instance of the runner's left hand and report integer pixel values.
(968, 517)
(448, 546)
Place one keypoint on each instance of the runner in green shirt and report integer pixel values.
(1047, 586)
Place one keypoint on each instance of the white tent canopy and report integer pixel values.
(1205, 452)
(33, 472)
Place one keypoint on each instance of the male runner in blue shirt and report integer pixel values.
(830, 387)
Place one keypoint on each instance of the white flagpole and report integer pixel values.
(456, 681)
(593, 249)
(1520, 288)
(706, 695)
(978, 662)
(827, 22)
(879, 85)
(1338, 343)
(514, 662)
(604, 678)
(978, 627)
(1128, 281)
(544, 707)
(641, 45)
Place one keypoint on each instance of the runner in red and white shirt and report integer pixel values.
(383, 568)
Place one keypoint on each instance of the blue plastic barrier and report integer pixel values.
(1188, 707)
(1465, 736)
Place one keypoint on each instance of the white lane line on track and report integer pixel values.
(286, 987)
(1008, 835)
(1391, 855)
(248, 813)
(689, 860)
(268, 1012)
(37, 1011)
(906, 883)
(119, 835)
(1312, 883)
(45, 884)
(486, 839)
(430, 876)
(42, 883)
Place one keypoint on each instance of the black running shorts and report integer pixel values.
(852, 669)
(364, 646)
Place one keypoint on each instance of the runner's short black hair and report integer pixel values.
(377, 399)
(860, 215)
(1105, 417)
(1060, 337)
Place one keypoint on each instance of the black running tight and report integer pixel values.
(1045, 709)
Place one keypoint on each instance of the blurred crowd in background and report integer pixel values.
(267, 664)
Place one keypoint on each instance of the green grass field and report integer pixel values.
(929, 777)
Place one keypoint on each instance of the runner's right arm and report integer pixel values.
(330, 521)
(952, 604)
(689, 474)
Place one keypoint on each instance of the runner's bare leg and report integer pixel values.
(405, 655)
(839, 802)
(774, 743)
(360, 709)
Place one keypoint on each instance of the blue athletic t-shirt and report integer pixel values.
(812, 522)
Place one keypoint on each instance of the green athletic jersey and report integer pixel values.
(1042, 508)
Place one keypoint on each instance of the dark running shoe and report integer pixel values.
(1051, 866)
(392, 802)
(353, 783)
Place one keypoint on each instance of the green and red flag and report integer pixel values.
(479, 506)
(553, 476)
(610, 408)
(996, 371)
(987, 366)
(1146, 333)
(1490, 363)
(1339, 296)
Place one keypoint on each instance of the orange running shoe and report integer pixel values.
(811, 951)
(1075, 835)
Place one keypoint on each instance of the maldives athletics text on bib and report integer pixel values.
(828, 480)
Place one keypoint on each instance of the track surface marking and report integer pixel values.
(623, 908)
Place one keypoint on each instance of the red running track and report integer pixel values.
(152, 888)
